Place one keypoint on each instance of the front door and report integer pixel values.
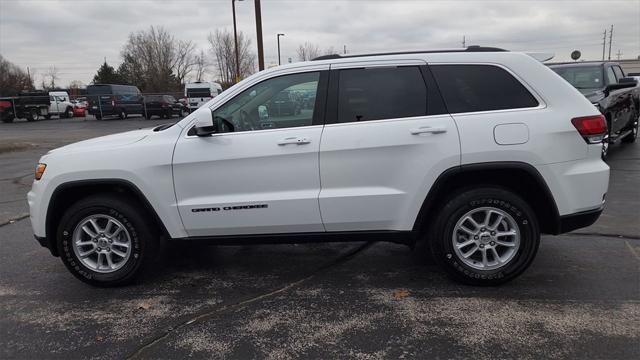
(262, 176)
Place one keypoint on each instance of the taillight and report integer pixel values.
(592, 128)
(5, 104)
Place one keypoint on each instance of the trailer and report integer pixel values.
(28, 105)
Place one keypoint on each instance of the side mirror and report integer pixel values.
(625, 80)
(205, 126)
(623, 85)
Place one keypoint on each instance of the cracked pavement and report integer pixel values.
(580, 298)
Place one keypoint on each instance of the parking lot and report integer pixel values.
(580, 298)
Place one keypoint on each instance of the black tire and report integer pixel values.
(68, 113)
(122, 114)
(8, 119)
(148, 116)
(442, 232)
(33, 115)
(143, 239)
(98, 117)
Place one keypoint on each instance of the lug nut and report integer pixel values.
(475, 237)
(481, 246)
(483, 229)
(492, 243)
(493, 233)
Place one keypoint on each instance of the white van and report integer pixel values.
(60, 104)
(198, 93)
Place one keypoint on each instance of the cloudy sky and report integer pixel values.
(76, 36)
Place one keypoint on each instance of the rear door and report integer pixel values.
(387, 138)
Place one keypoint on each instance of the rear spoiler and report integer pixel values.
(542, 57)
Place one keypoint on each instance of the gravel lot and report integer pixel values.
(579, 299)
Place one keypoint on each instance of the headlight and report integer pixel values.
(40, 170)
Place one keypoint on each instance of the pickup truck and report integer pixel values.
(30, 105)
(613, 93)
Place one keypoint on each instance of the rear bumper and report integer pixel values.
(579, 220)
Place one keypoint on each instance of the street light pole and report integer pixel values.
(235, 39)
(279, 62)
(259, 35)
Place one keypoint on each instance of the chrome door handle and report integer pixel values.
(294, 140)
(428, 130)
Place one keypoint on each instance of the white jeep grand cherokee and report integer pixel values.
(474, 152)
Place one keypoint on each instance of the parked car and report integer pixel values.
(199, 93)
(111, 99)
(470, 154)
(32, 106)
(164, 106)
(60, 105)
(615, 95)
(285, 103)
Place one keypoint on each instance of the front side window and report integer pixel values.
(469, 88)
(280, 102)
(611, 76)
(381, 93)
(618, 71)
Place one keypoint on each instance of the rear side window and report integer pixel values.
(381, 93)
(468, 88)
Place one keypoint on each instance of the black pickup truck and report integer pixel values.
(30, 105)
(614, 94)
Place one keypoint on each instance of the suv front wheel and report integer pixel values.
(104, 240)
(485, 236)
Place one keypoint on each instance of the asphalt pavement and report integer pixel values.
(579, 299)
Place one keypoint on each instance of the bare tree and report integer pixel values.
(13, 79)
(223, 49)
(184, 61)
(52, 76)
(155, 61)
(308, 51)
(201, 64)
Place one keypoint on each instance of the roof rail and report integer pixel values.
(471, 48)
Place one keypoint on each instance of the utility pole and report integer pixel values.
(279, 62)
(619, 54)
(345, 49)
(259, 35)
(604, 42)
(610, 39)
(29, 75)
(235, 39)
(464, 41)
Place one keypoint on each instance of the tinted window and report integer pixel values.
(150, 98)
(618, 71)
(273, 103)
(611, 77)
(98, 89)
(381, 93)
(582, 77)
(468, 88)
(198, 93)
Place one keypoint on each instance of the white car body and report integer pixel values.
(340, 177)
(195, 100)
(60, 103)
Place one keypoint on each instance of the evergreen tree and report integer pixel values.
(106, 75)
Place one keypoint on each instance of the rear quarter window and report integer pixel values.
(469, 88)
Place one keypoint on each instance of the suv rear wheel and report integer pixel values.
(122, 114)
(105, 241)
(485, 236)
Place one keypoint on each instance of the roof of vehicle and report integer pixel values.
(582, 63)
(472, 48)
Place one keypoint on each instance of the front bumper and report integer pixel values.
(579, 220)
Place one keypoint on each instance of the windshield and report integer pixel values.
(582, 77)
(196, 93)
